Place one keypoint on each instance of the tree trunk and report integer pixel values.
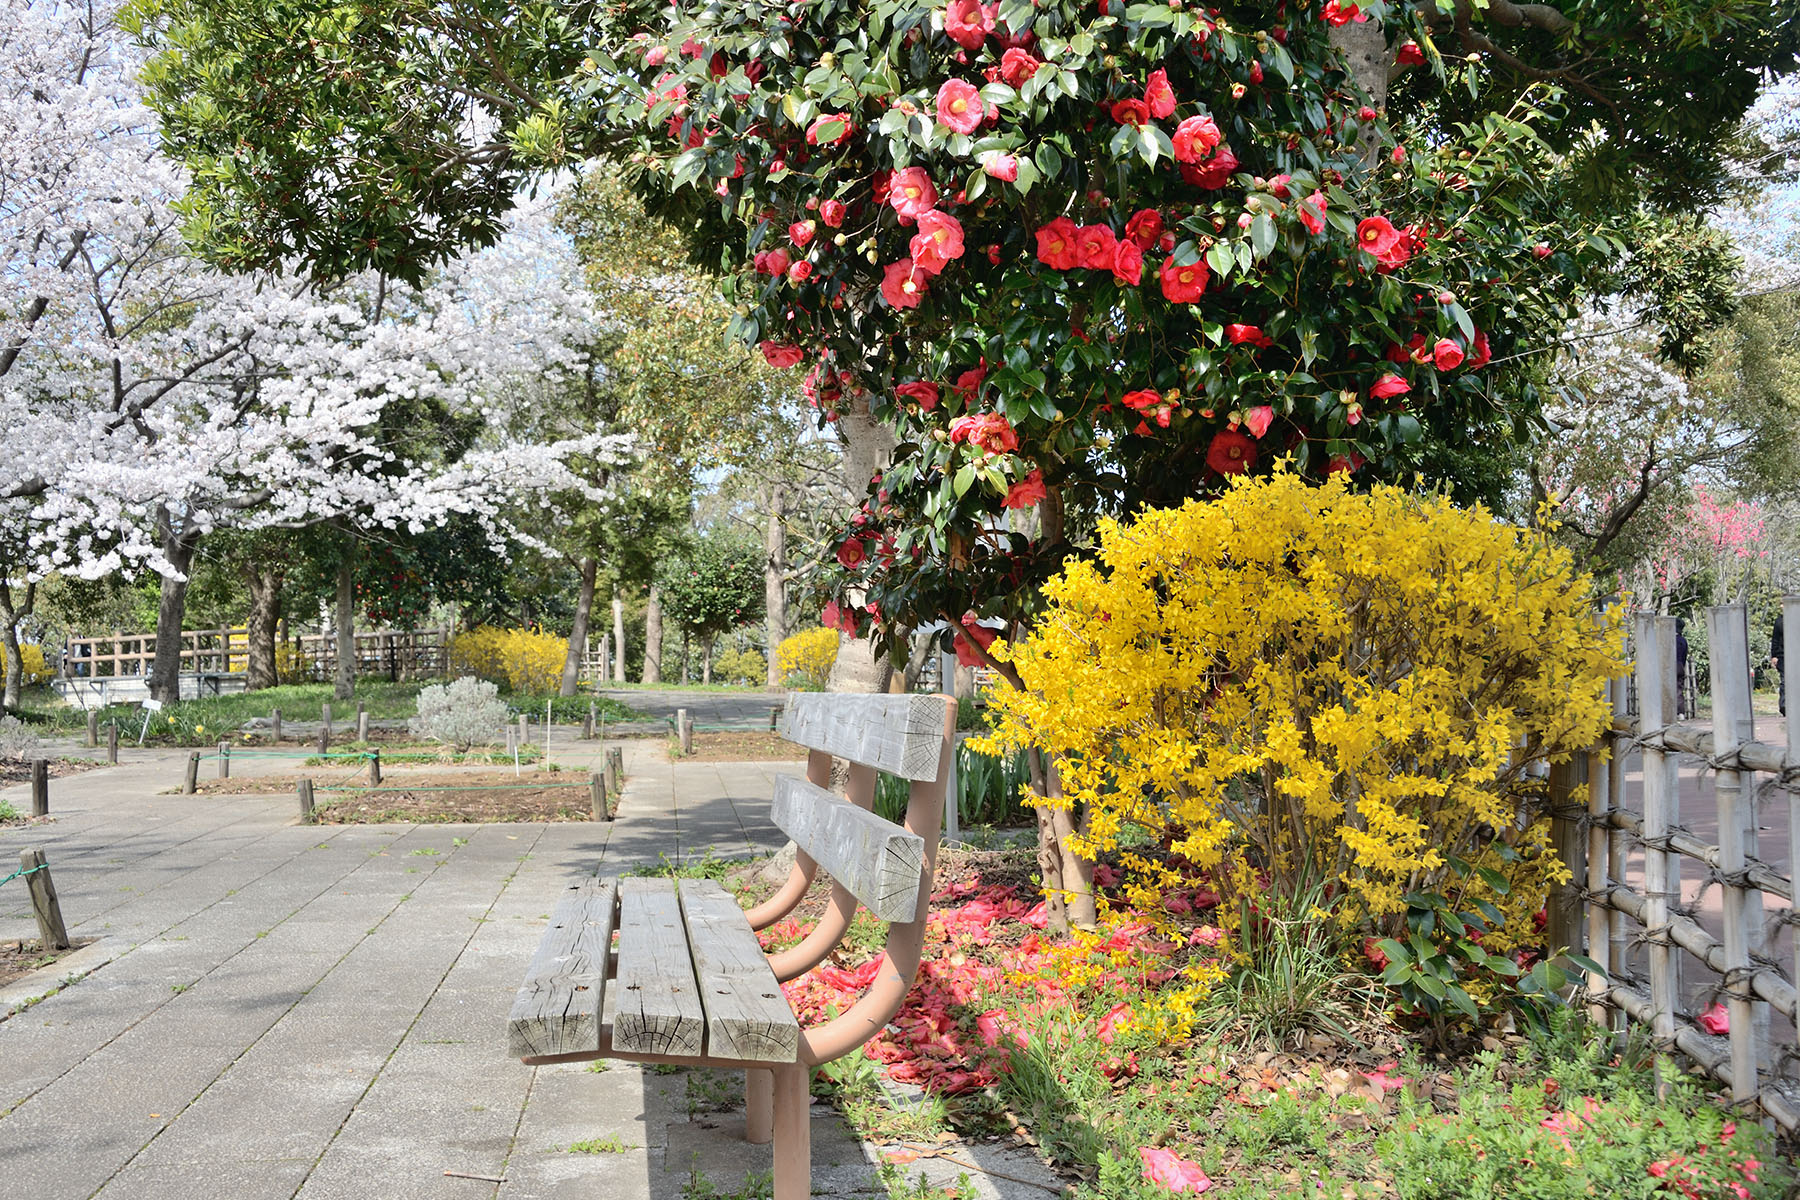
(652, 637)
(686, 653)
(1364, 47)
(265, 613)
(578, 632)
(775, 582)
(344, 621)
(618, 607)
(868, 444)
(171, 611)
(9, 643)
(706, 652)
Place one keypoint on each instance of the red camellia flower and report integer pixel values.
(1027, 491)
(966, 655)
(1377, 235)
(1312, 212)
(1215, 172)
(1183, 285)
(1374, 953)
(800, 272)
(777, 262)
(1541, 250)
(990, 432)
(832, 213)
(1094, 247)
(922, 392)
(1131, 112)
(1446, 355)
(1396, 256)
(1239, 334)
(1145, 226)
(1258, 420)
(968, 384)
(1231, 453)
(1141, 401)
(901, 285)
(829, 129)
(1000, 165)
(801, 232)
(912, 193)
(1389, 386)
(939, 240)
(1056, 244)
(1159, 97)
(1338, 13)
(1410, 54)
(1195, 138)
(781, 356)
(1278, 186)
(853, 553)
(1128, 263)
(959, 106)
(967, 24)
(834, 617)
(1016, 66)
(1480, 353)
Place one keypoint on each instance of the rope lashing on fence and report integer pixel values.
(24, 871)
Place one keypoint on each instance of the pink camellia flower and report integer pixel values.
(853, 553)
(939, 240)
(921, 391)
(959, 106)
(800, 272)
(832, 213)
(1446, 355)
(1000, 165)
(1027, 491)
(829, 129)
(912, 193)
(1128, 263)
(1016, 66)
(1715, 1020)
(1382, 1081)
(1389, 386)
(1169, 1170)
(1195, 138)
(1258, 420)
(801, 232)
(1056, 244)
(655, 55)
(901, 285)
(777, 262)
(967, 23)
(1145, 226)
(781, 356)
(1159, 97)
(1094, 247)
(1312, 212)
(1215, 172)
(1278, 186)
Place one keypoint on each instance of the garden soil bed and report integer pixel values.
(19, 957)
(468, 797)
(13, 771)
(740, 746)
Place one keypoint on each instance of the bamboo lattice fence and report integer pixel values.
(1679, 921)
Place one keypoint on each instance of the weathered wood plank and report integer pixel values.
(876, 860)
(746, 1014)
(557, 1011)
(902, 735)
(656, 998)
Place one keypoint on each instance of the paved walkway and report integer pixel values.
(709, 710)
(292, 1011)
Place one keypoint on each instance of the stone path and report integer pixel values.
(292, 1011)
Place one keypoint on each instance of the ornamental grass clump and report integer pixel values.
(1316, 688)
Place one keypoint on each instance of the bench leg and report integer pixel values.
(793, 1133)
(759, 1106)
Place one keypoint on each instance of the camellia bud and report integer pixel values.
(873, 258)
(839, 240)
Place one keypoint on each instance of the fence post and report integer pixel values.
(774, 716)
(52, 934)
(587, 723)
(1790, 688)
(952, 801)
(192, 781)
(362, 725)
(305, 793)
(224, 760)
(1652, 717)
(93, 727)
(112, 741)
(548, 713)
(275, 723)
(524, 731)
(40, 787)
(1564, 904)
(324, 740)
(684, 730)
(375, 767)
(597, 793)
(614, 760)
(1728, 644)
(1599, 875)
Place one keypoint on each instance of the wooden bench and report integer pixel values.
(651, 970)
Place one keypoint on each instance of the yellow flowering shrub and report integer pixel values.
(520, 660)
(292, 665)
(33, 667)
(1314, 687)
(806, 659)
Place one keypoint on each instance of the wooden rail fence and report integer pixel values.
(397, 653)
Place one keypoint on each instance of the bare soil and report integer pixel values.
(20, 957)
(420, 797)
(739, 746)
(16, 771)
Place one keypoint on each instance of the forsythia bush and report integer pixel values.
(806, 659)
(521, 660)
(292, 665)
(1317, 687)
(747, 667)
(36, 670)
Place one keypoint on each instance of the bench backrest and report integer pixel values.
(902, 735)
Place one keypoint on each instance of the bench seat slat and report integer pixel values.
(557, 1011)
(655, 996)
(747, 1017)
(902, 735)
(876, 860)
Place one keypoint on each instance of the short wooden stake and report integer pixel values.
(52, 934)
(304, 789)
(597, 793)
(93, 727)
(224, 760)
(774, 716)
(587, 727)
(615, 759)
(324, 740)
(112, 742)
(362, 725)
(684, 730)
(375, 767)
(192, 783)
(325, 715)
(524, 731)
(40, 787)
(275, 724)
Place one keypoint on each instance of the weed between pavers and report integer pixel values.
(605, 1145)
(757, 1186)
